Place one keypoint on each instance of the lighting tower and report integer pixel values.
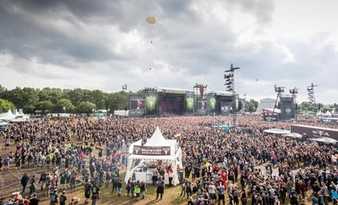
(229, 77)
(294, 93)
(311, 93)
(279, 90)
(199, 93)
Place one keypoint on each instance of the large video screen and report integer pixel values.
(150, 103)
(189, 101)
(171, 104)
(137, 104)
(212, 103)
(224, 104)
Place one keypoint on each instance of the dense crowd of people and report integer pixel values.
(244, 166)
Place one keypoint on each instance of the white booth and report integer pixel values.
(145, 157)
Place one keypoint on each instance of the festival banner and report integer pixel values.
(151, 151)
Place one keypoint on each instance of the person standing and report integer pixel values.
(119, 187)
(34, 200)
(43, 181)
(244, 197)
(24, 182)
(95, 194)
(220, 191)
(87, 191)
(53, 197)
(160, 189)
(63, 198)
(32, 185)
(143, 189)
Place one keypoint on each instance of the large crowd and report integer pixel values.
(244, 166)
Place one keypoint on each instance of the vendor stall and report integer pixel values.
(156, 157)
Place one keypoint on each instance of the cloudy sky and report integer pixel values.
(107, 43)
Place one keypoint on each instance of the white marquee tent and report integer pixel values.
(7, 116)
(277, 131)
(157, 148)
(17, 116)
(325, 140)
(293, 135)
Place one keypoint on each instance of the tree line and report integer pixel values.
(56, 100)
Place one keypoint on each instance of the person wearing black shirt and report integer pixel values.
(95, 194)
(63, 199)
(160, 189)
(87, 191)
(34, 200)
(24, 182)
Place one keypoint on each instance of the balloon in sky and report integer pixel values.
(151, 19)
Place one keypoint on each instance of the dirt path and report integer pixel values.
(108, 198)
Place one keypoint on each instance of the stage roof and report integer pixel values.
(173, 90)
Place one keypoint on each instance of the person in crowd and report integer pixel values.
(160, 189)
(63, 198)
(34, 200)
(95, 194)
(24, 182)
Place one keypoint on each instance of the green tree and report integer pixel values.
(51, 94)
(64, 105)
(99, 98)
(251, 106)
(86, 107)
(16, 96)
(307, 107)
(6, 105)
(117, 101)
(30, 97)
(45, 106)
(2, 90)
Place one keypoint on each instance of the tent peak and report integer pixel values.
(156, 139)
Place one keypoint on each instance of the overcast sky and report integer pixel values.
(107, 43)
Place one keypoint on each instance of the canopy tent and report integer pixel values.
(3, 125)
(156, 148)
(293, 135)
(14, 117)
(277, 131)
(7, 116)
(325, 140)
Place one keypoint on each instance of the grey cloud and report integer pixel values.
(261, 9)
(181, 39)
(24, 37)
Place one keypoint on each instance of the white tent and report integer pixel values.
(293, 135)
(156, 148)
(325, 140)
(7, 116)
(14, 117)
(3, 123)
(277, 131)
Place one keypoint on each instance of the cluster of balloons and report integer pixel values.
(152, 21)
